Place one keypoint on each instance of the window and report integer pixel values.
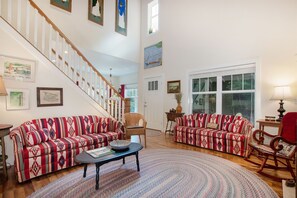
(204, 94)
(225, 92)
(153, 85)
(153, 16)
(132, 93)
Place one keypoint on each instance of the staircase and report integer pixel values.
(30, 22)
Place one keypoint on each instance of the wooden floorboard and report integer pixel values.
(11, 188)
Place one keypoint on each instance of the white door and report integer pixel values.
(153, 102)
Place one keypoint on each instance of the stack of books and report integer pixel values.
(99, 152)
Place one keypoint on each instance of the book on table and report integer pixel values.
(99, 152)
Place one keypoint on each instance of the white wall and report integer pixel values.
(47, 75)
(89, 35)
(199, 35)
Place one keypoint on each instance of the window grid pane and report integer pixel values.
(155, 10)
(237, 82)
(249, 81)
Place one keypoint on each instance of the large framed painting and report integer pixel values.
(48, 96)
(121, 16)
(63, 4)
(96, 11)
(13, 68)
(173, 86)
(17, 99)
(153, 55)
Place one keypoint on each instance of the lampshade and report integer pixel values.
(281, 93)
(3, 91)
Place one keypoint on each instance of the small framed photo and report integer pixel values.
(17, 99)
(173, 86)
(14, 68)
(47, 96)
(121, 17)
(96, 11)
(63, 4)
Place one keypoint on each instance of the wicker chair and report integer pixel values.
(281, 148)
(135, 124)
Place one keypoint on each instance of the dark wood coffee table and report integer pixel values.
(86, 159)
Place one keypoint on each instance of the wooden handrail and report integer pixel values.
(73, 46)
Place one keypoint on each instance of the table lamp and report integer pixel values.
(281, 93)
(3, 91)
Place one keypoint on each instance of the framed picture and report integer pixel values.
(173, 86)
(153, 55)
(121, 17)
(63, 4)
(17, 99)
(14, 68)
(96, 11)
(47, 96)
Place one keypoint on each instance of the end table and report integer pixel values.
(263, 123)
(171, 118)
(4, 130)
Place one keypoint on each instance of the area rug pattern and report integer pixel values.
(163, 173)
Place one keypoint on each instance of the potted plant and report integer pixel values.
(178, 97)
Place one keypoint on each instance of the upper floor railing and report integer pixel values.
(32, 23)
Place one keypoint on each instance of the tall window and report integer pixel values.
(132, 93)
(225, 92)
(153, 16)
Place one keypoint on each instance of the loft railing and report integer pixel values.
(31, 22)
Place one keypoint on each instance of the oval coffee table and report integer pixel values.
(86, 159)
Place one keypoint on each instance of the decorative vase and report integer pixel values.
(179, 108)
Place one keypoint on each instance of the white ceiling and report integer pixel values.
(104, 62)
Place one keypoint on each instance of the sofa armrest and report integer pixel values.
(118, 127)
(248, 130)
(18, 141)
(179, 121)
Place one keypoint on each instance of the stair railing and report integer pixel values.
(32, 23)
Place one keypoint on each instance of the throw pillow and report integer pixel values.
(212, 125)
(288, 149)
(237, 125)
(36, 137)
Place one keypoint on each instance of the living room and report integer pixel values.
(198, 38)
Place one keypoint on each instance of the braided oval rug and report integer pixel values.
(163, 173)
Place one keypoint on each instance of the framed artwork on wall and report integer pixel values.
(173, 86)
(63, 4)
(121, 16)
(96, 11)
(14, 68)
(153, 55)
(48, 96)
(17, 99)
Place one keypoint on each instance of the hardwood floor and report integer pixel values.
(12, 188)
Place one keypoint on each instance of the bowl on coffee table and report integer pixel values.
(119, 145)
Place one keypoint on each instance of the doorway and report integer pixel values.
(153, 102)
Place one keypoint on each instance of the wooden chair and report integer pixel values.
(280, 148)
(135, 124)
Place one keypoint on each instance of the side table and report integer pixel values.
(263, 123)
(4, 130)
(171, 118)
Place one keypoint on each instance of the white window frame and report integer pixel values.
(219, 73)
(150, 16)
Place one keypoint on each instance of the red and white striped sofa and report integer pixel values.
(225, 133)
(46, 145)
